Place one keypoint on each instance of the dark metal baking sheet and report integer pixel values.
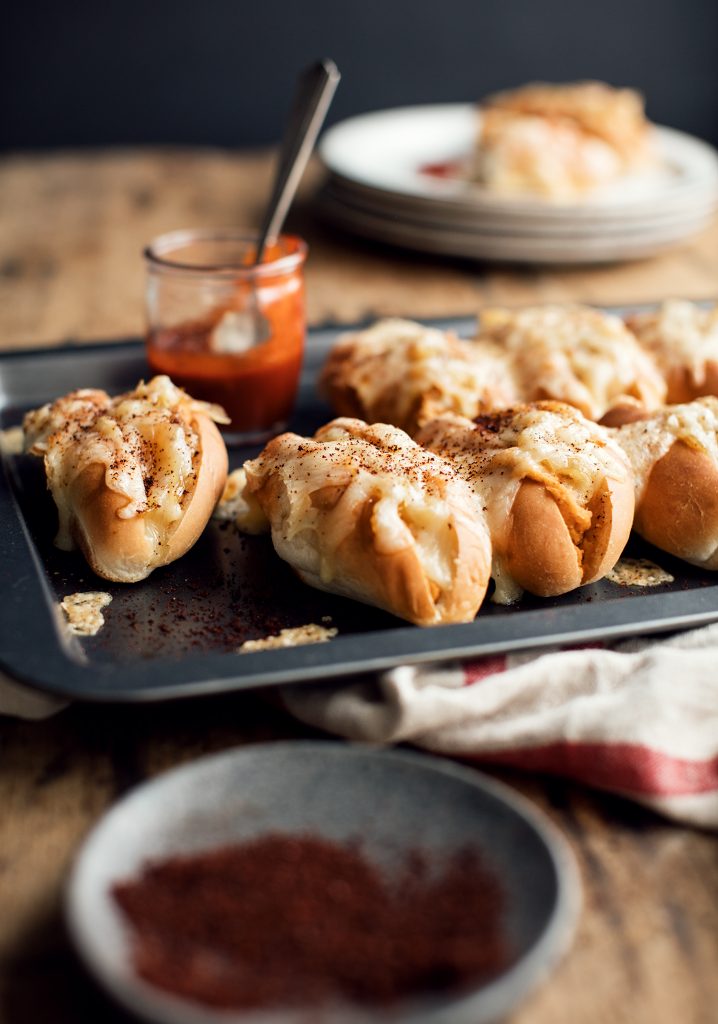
(176, 634)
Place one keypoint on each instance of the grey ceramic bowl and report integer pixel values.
(393, 800)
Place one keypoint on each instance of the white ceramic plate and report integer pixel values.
(386, 206)
(387, 150)
(377, 189)
(482, 217)
(393, 801)
(541, 248)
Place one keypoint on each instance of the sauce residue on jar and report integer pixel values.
(214, 357)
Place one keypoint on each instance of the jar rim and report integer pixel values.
(156, 253)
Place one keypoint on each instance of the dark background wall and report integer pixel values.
(219, 72)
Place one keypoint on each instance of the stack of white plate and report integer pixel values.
(384, 183)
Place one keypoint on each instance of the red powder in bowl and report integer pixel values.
(301, 921)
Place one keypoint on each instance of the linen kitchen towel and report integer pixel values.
(639, 718)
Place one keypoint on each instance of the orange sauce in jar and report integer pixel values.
(255, 383)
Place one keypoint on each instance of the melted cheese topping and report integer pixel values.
(680, 335)
(145, 440)
(295, 636)
(549, 443)
(601, 111)
(84, 612)
(647, 441)
(506, 589)
(239, 505)
(574, 354)
(524, 153)
(331, 480)
(402, 372)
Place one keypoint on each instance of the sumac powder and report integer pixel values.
(296, 920)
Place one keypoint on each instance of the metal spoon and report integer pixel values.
(315, 88)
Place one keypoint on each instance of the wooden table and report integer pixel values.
(72, 227)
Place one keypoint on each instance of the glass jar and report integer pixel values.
(226, 330)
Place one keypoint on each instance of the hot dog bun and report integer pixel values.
(602, 133)
(574, 354)
(674, 455)
(404, 373)
(135, 478)
(557, 491)
(683, 340)
(364, 512)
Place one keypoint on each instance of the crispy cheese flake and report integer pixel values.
(84, 612)
(296, 636)
(638, 572)
(11, 440)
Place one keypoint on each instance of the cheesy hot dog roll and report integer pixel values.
(674, 455)
(403, 373)
(556, 489)
(563, 141)
(135, 478)
(574, 354)
(683, 340)
(364, 512)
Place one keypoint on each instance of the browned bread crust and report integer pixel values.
(674, 456)
(678, 511)
(538, 551)
(626, 412)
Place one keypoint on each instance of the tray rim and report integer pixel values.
(60, 667)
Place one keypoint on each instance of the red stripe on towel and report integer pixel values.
(628, 767)
(475, 671)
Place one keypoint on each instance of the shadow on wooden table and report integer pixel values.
(45, 982)
(650, 887)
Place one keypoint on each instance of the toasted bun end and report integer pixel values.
(678, 511)
(540, 554)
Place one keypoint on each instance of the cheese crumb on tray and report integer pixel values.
(296, 636)
(638, 572)
(84, 612)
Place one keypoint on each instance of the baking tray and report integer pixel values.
(176, 634)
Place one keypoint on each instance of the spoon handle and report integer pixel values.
(314, 92)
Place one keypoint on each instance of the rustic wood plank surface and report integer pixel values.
(71, 231)
(73, 227)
